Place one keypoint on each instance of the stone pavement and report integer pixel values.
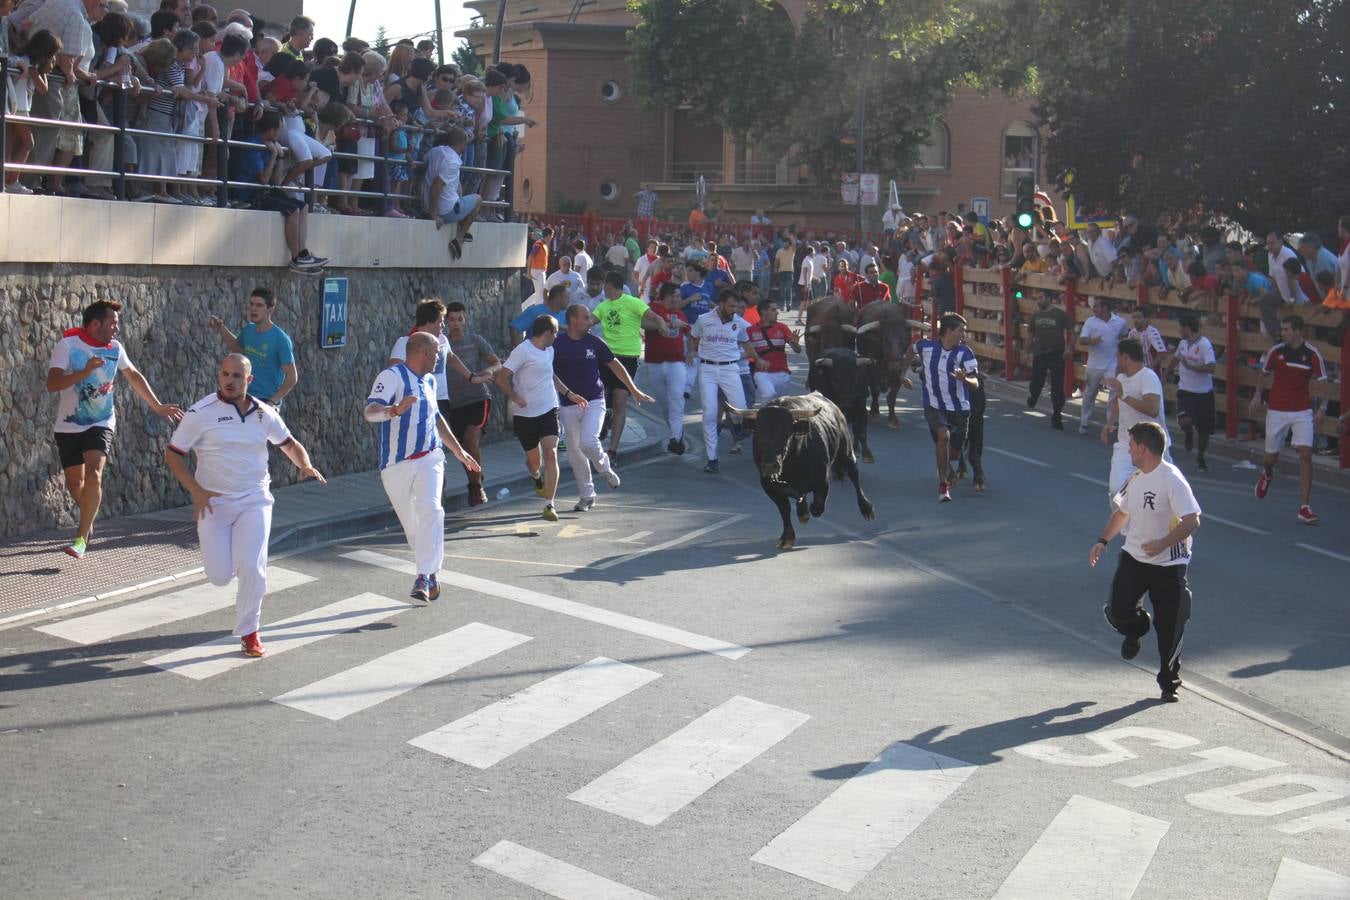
(131, 554)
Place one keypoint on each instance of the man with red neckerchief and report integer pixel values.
(771, 338)
(84, 367)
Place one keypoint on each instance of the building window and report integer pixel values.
(1021, 155)
(609, 190)
(937, 153)
(610, 92)
(526, 190)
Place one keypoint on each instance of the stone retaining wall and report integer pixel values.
(164, 328)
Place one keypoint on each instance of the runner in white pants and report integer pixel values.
(1099, 336)
(1136, 396)
(663, 360)
(716, 343)
(229, 431)
(412, 464)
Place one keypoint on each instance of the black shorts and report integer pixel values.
(530, 430)
(954, 422)
(611, 381)
(1199, 408)
(71, 446)
(462, 418)
(276, 200)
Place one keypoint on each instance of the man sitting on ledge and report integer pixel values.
(443, 199)
(264, 167)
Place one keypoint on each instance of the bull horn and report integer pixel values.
(849, 328)
(812, 329)
(799, 415)
(915, 323)
(870, 326)
(742, 413)
(824, 362)
(865, 360)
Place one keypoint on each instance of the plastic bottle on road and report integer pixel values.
(503, 493)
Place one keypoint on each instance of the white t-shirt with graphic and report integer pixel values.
(719, 341)
(89, 402)
(1155, 502)
(1199, 352)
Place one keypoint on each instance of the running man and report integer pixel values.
(716, 344)
(1292, 364)
(623, 318)
(663, 353)
(268, 348)
(1050, 334)
(1099, 336)
(948, 368)
(231, 501)
(1156, 355)
(527, 378)
(579, 360)
(470, 400)
(1195, 386)
(771, 338)
(83, 371)
(1136, 396)
(1162, 514)
(412, 463)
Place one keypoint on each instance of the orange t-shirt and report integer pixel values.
(539, 256)
(1335, 300)
(697, 218)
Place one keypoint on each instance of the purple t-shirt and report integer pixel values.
(577, 364)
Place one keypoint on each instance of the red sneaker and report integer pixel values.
(251, 645)
(1262, 484)
(1307, 516)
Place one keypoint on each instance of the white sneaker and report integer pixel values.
(18, 187)
(612, 478)
(584, 505)
(1082, 429)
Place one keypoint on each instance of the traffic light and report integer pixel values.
(1026, 203)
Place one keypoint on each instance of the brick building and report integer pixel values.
(595, 147)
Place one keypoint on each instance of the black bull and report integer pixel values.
(800, 442)
(844, 378)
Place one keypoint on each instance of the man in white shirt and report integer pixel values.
(1099, 336)
(1101, 252)
(230, 432)
(716, 343)
(1162, 513)
(1286, 290)
(891, 219)
(576, 288)
(1195, 385)
(643, 266)
(403, 402)
(616, 257)
(1136, 396)
(743, 261)
(443, 164)
(527, 378)
(1156, 355)
(581, 260)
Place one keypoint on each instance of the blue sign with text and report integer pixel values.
(333, 324)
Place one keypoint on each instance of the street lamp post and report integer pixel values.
(862, 139)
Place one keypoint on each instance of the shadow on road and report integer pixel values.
(1328, 652)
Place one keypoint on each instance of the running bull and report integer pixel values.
(838, 375)
(829, 324)
(800, 442)
(883, 334)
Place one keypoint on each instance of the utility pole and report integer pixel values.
(497, 38)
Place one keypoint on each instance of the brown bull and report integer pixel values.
(829, 324)
(884, 335)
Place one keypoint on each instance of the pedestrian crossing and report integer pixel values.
(1087, 849)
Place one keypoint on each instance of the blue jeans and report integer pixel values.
(785, 289)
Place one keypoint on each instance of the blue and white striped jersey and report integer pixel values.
(413, 434)
(940, 389)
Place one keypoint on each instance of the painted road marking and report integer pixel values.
(222, 655)
(636, 537)
(559, 605)
(1217, 758)
(515, 562)
(1299, 881)
(1342, 557)
(487, 736)
(1204, 516)
(1025, 459)
(669, 775)
(388, 676)
(673, 542)
(161, 610)
(1090, 851)
(852, 830)
(552, 876)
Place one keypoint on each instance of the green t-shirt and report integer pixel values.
(634, 251)
(621, 321)
(892, 280)
(1046, 329)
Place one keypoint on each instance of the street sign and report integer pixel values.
(980, 207)
(848, 188)
(871, 188)
(333, 314)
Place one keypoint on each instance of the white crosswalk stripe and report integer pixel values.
(162, 610)
(853, 829)
(388, 676)
(1090, 851)
(668, 776)
(552, 876)
(491, 734)
(1299, 881)
(222, 654)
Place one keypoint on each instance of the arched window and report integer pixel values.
(937, 153)
(1021, 155)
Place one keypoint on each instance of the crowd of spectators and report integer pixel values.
(192, 71)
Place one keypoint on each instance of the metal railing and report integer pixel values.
(120, 129)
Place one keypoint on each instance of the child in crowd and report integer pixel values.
(159, 155)
(331, 119)
(193, 113)
(400, 175)
(290, 89)
(34, 66)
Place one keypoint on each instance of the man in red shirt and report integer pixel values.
(870, 290)
(663, 357)
(1293, 363)
(771, 338)
(844, 280)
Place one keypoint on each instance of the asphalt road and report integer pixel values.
(651, 698)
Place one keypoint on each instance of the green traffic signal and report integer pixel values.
(1025, 220)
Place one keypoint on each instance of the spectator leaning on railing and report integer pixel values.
(70, 21)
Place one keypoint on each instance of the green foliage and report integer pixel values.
(566, 206)
(466, 59)
(381, 44)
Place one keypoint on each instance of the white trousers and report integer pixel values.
(711, 379)
(667, 380)
(772, 384)
(414, 489)
(1092, 383)
(540, 292)
(691, 376)
(305, 147)
(583, 444)
(234, 536)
